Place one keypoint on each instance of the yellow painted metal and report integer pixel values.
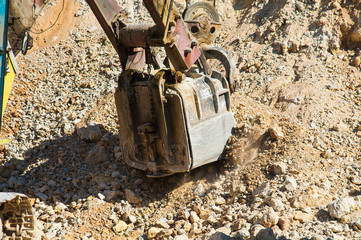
(8, 83)
(9, 79)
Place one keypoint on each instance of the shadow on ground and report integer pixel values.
(67, 169)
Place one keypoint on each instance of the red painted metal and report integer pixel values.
(136, 61)
(38, 3)
(136, 35)
(184, 44)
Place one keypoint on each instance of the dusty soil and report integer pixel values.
(293, 157)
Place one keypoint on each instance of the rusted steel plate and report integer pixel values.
(105, 11)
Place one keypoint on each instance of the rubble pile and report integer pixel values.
(291, 170)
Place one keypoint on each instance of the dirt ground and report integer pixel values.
(291, 170)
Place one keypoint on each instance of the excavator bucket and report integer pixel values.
(170, 125)
(174, 115)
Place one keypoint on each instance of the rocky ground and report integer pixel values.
(291, 169)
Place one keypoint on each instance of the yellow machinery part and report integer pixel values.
(9, 78)
(8, 83)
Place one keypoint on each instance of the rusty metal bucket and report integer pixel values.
(173, 122)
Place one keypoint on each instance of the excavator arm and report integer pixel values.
(130, 41)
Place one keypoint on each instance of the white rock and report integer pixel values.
(101, 196)
(199, 190)
(120, 226)
(270, 218)
(217, 209)
(181, 237)
(220, 201)
(276, 132)
(290, 184)
(278, 168)
(132, 218)
(255, 229)
(162, 222)
(153, 232)
(341, 207)
(276, 204)
(336, 228)
(193, 217)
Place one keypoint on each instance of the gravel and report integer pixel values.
(291, 169)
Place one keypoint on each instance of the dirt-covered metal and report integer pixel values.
(175, 118)
(203, 22)
(17, 220)
(170, 122)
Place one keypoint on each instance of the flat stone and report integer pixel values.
(162, 222)
(220, 201)
(276, 132)
(42, 196)
(181, 237)
(302, 217)
(131, 196)
(290, 184)
(225, 230)
(120, 226)
(193, 217)
(284, 223)
(153, 232)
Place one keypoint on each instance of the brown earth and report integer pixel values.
(297, 77)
